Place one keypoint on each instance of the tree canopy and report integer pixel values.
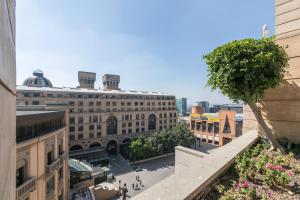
(244, 69)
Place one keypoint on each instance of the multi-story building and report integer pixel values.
(42, 152)
(102, 118)
(215, 128)
(181, 105)
(204, 105)
(238, 108)
(7, 99)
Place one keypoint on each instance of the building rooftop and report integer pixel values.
(85, 90)
(36, 112)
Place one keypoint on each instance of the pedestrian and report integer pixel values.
(136, 186)
(138, 177)
(140, 182)
(124, 192)
(133, 186)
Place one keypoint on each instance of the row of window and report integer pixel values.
(96, 119)
(80, 110)
(114, 103)
(93, 96)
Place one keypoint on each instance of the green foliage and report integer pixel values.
(244, 69)
(160, 142)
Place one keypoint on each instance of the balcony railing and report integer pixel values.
(53, 166)
(26, 187)
(63, 156)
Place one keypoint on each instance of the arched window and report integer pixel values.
(112, 125)
(95, 145)
(76, 148)
(151, 122)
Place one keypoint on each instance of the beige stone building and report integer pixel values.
(7, 99)
(42, 154)
(102, 118)
(281, 106)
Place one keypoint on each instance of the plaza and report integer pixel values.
(150, 173)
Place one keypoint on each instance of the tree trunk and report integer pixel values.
(267, 132)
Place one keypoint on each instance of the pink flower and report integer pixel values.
(268, 166)
(268, 194)
(281, 168)
(291, 174)
(245, 184)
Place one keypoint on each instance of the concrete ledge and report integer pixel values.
(195, 173)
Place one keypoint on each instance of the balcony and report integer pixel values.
(26, 187)
(63, 156)
(53, 166)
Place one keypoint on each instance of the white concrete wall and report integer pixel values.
(7, 100)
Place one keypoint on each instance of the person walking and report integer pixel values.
(133, 186)
(124, 192)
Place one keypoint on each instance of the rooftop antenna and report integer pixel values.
(265, 31)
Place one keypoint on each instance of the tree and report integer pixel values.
(243, 70)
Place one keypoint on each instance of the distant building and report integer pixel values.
(215, 128)
(42, 152)
(105, 118)
(214, 108)
(238, 108)
(181, 105)
(204, 105)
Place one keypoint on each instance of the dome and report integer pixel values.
(38, 80)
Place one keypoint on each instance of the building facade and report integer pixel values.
(105, 118)
(7, 99)
(215, 128)
(181, 105)
(42, 154)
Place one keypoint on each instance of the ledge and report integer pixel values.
(194, 173)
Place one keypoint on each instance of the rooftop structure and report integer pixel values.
(86, 79)
(38, 80)
(110, 82)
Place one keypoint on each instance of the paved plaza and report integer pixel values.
(151, 172)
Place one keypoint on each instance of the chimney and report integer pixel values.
(110, 82)
(86, 79)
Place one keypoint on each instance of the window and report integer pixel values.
(112, 125)
(20, 176)
(71, 103)
(61, 173)
(170, 115)
(143, 116)
(80, 136)
(123, 131)
(129, 124)
(107, 103)
(123, 124)
(137, 117)
(91, 128)
(50, 157)
(98, 103)
(129, 131)
(80, 103)
(72, 120)
(71, 129)
(80, 120)
(95, 118)
(35, 103)
(152, 122)
(50, 185)
(137, 123)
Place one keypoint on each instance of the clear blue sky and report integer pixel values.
(155, 45)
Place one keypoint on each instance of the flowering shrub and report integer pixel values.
(241, 190)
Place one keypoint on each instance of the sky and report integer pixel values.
(154, 45)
